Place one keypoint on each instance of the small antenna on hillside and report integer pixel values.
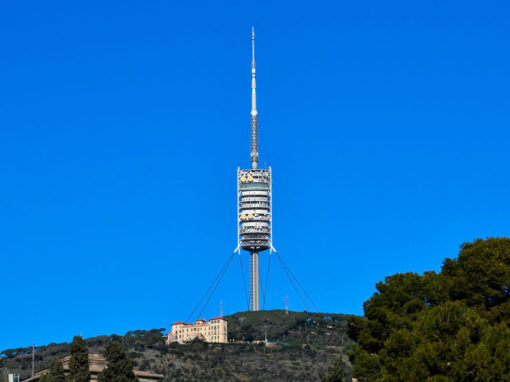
(33, 359)
(221, 308)
(286, 305)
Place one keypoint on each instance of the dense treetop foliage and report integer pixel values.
(119, 368)
(277, 325)
(56, 372)
(447, 326)
(336, 372)
(79, 362)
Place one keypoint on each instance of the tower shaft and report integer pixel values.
(254, 281)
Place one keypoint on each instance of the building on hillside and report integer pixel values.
(214, 330)
(96, 364)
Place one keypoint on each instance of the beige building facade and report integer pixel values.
(214, 330)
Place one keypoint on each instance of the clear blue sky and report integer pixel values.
(122, 125)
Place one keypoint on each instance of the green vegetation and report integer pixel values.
(79, 362)
(336, 373)
(436, 327)
(301, 348)
(56, 373)
(118, 367)
(451, 326)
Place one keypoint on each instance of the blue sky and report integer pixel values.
(122, 125)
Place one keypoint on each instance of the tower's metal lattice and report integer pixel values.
(254, 219)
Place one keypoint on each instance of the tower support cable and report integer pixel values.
(292, 283)
(210, 286)
(267, 278)
(263, 291)
(216, 286)
(297, 282)
(244, 283)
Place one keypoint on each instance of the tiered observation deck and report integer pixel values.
(254, 209)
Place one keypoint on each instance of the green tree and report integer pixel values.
(452, 326)
(118, 367)
(79, 362)
(366, 366)
(248, 332)
(55, 373)
(336, 372)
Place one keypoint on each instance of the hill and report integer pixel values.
(300, 348)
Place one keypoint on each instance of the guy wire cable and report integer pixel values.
(292, 283)
(297, 281)
(218, 283)
(244, 284)
(210, 286)
(263, 291)
(267, 278)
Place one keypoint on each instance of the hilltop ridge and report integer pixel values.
(300, 348)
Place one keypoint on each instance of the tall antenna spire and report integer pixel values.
(254, 229)
(254, 122)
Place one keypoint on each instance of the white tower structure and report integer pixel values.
(254, 221)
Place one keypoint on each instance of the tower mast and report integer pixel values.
(254, 227)
(254, 256)
(254, 122)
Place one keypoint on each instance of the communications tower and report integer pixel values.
(254, 221)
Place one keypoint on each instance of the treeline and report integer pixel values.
(277, 325)
(439, 327)
(137, 341)
(304, 345)
(118, 367)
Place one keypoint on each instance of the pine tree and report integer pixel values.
(118, 367)
(447, 326)
(336, 373)
(79, 362)
(56, 372)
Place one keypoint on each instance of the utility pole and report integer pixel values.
(221, 308)
(286, 305)
(33, 359)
